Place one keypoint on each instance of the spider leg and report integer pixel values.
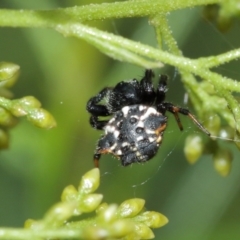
(162, 89)
(175, 110)
(98, 110)
(95, 123)
(96, 158)
(147, 89)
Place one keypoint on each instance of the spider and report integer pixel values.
(135, 130)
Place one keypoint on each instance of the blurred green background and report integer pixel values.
(63, 73)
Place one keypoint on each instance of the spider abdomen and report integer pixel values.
(133, 134)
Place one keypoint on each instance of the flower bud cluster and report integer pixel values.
(31, 108)
(87, 201)
(127, 221)
(143, 220)
(195, 145)
(222, 14)
(11, 109)
(9, 73)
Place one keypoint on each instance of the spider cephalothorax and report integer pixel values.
(135, 130)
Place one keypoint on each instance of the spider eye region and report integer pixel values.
(135, 136)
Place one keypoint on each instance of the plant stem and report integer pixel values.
(15, 234)
(194, 66)
(136, 8)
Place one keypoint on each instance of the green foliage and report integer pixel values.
(26, 106)
(129, 220)
(210, 93)
(208, 97)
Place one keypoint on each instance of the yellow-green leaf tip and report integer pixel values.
(131, 207)
(90, 181)
(41, 118)
(154, 219)
(193, 148)
(9, 73)
(90, 202)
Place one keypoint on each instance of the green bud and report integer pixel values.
(4, 139)
(193, 148)
(29, 101)
(95, 232)
(154, 219)
(109, 214)
(132, 235)
(101, 207)
(90, 202)
(143, 231)
(222, 161)
(226, 132)
(90, 181)
(6, 118)
(131, 207)
(21, 107)
(30, 106)
(59, 213)
(34, 225)
(41, 118)
(9, 73)
(121, 228)
(69, 193)
(29, 223)
(212, 124)
(17, 109)
(224, 23)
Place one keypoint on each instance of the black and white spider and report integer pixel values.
(135, 130)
